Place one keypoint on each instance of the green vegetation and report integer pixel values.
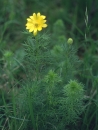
(49, 81)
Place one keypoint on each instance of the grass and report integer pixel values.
(79, 20)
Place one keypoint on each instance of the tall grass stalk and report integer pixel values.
(30, 104)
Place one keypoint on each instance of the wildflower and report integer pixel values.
(70, 41)
(35, 23)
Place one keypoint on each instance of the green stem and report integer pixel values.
(37, 59)
(30, 103)
(14, 109)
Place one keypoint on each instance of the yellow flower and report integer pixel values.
(35, 23)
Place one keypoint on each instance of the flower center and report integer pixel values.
(36, 25)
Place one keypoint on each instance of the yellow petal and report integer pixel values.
(31, 17)
(34, 16)
(35, 33)
(29, 25)
(31, 29)
(44, 25)
(28, 19)
(44, 21)
(43, 16)
(38, 14)
(27, 28)
(39, 28)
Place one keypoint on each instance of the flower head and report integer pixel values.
(35, 23)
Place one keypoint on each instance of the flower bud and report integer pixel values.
(70, 41)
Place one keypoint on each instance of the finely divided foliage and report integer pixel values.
(50, 97)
